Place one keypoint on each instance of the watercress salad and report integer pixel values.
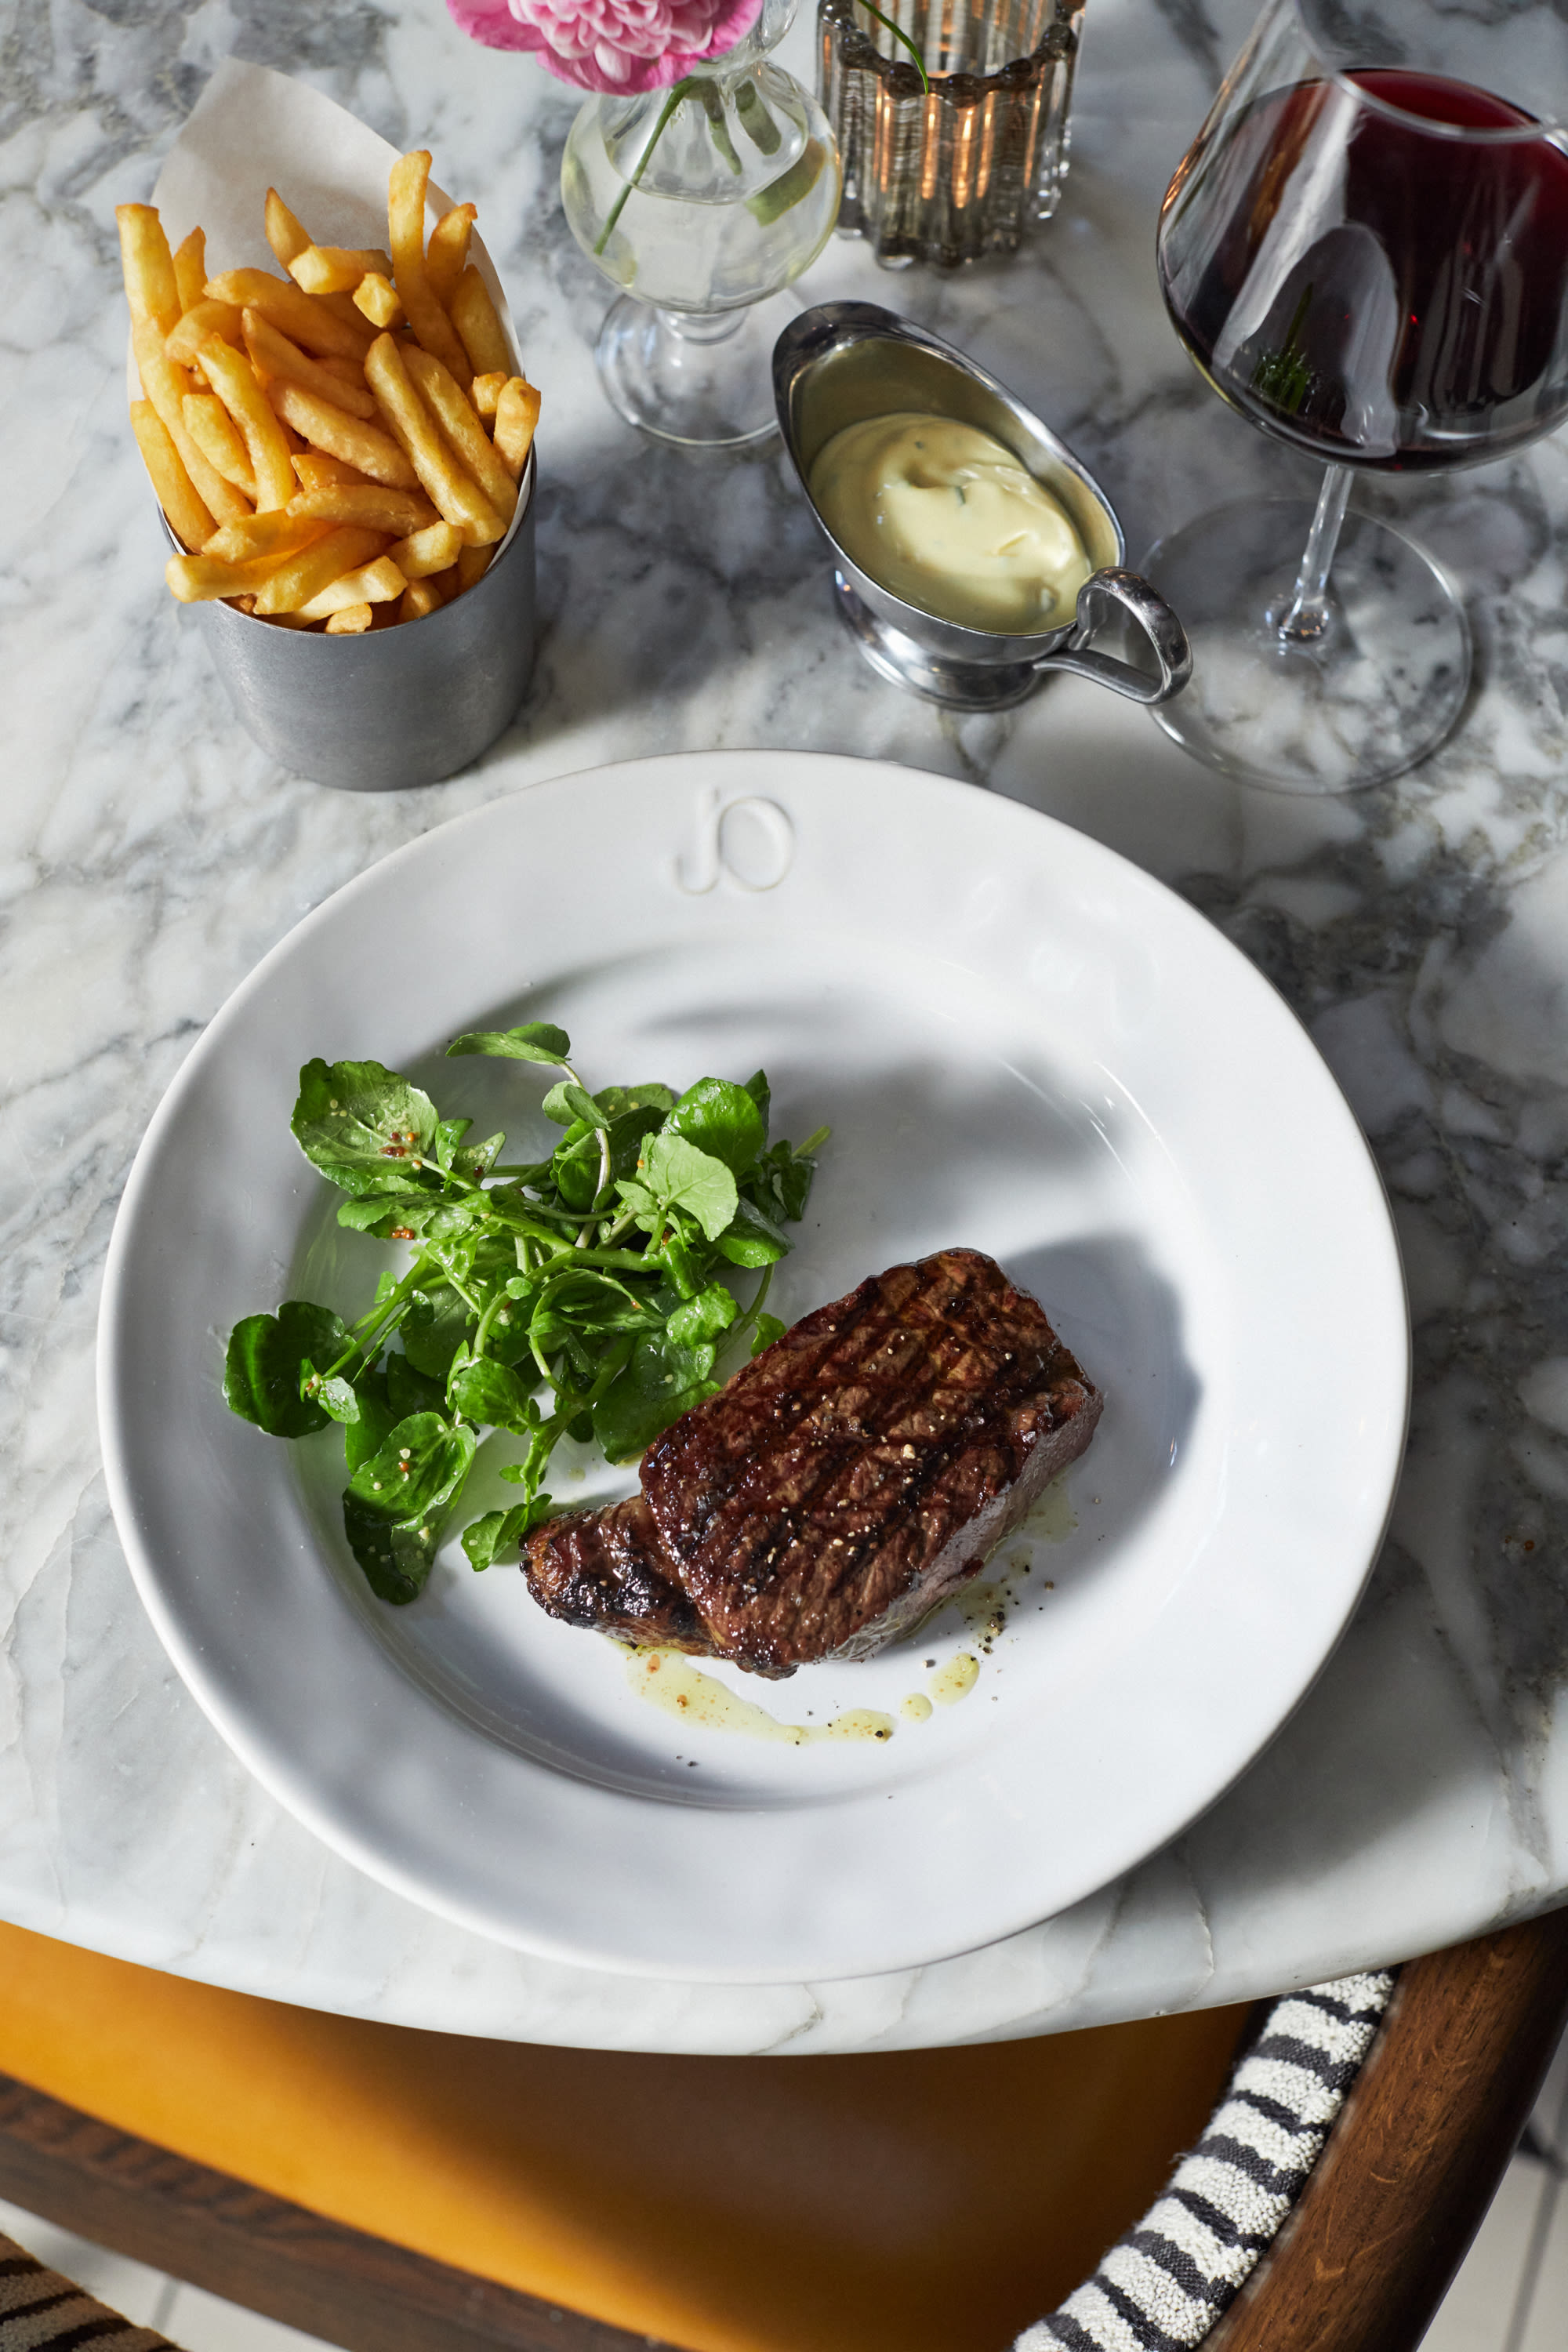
(584, 1295)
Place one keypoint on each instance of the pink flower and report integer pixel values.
(612, 45)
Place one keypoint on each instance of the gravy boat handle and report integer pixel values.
(1104, 597)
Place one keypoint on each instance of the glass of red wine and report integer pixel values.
(1365, 251)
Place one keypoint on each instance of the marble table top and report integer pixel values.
(149, 857)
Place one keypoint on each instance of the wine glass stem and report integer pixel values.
(1306, 618)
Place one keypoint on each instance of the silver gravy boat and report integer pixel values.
(846, 361)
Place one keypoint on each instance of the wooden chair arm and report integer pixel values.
(357, 2291)
(1410, 2166)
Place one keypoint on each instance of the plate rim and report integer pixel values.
(249, 1745)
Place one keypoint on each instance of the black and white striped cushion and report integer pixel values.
(42, 2312)
(1162, 2287)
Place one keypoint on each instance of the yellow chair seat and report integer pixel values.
(930, 2202)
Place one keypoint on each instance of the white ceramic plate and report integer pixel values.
(1022, 1044)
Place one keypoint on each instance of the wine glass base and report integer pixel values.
(1374, 694)
(704, 382)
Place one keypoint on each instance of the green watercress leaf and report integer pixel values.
(721, 1119)
(264, 1360)
(650, 1096)
(575, 1167)
(675, 1174)
(410, 1390)
(535, 1041)
(485, 1539)
(362, 1126)
(492, 1395)
(661, 1382)
(389, 1215)
(780, 1183)
(567, 1102)
(703, 1317)
(395, 1503)
(477, 1160)
(680, 1262)
(766, 1330)
(377, 1418)
(629, 1133)
(433, 1329)
(334, 1394)
(449, 1133)
(751, 1238)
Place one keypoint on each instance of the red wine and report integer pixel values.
(1378, 292)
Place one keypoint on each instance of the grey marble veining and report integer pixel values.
(149, 857)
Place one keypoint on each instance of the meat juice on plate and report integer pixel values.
(1426, 327)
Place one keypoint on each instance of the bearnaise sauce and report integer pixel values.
(946, 516)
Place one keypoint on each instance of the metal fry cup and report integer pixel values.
(395, 707)
(846, 360)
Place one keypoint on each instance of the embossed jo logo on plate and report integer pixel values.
(748, 839)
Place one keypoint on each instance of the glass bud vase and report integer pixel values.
(956, 172)
(701, 202)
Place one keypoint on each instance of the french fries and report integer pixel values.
(285, 234)
(473, 564)
(424, 552)
(150, 288)
(420, 598)
(375, 298)
(201, 319)
(272, 354)
(454, 493)
(305, 318)
(337, 449)
(234, 383)
(277, 533)
(462, 432)
(204, 579)
(210, 426)
(299, 577)
(188, 518)
(370, 506)
(448, 251)
(331, 428)
(319, 473)
(474, 317)
(191, 268)
(335, 269)
(405, 224)
(165, 385)
(516, 414)
(373, 583)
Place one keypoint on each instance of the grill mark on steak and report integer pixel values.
(607, 1568)
(859, 1469)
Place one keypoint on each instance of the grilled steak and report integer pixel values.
(607, 1568)
(860, 1469)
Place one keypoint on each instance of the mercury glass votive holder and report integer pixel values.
(958, 172)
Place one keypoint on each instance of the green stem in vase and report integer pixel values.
(719, 130)
(899, 34)
(680, 90)
(756, 121)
